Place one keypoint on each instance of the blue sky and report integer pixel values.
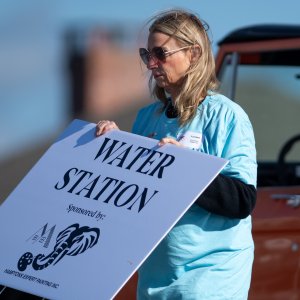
(32, 82)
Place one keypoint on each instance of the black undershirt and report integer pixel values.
(225, 196)
(229, 197)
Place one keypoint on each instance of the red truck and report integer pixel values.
(259, 66)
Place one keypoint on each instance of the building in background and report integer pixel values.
(105, 81)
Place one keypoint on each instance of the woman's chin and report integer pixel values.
(161, 83)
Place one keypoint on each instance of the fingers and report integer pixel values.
(104, 126)
(168, 140)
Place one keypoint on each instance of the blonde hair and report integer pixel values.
(200, 78)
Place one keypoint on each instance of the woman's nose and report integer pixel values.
(152, 63)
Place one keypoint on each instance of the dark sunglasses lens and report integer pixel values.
(159, 53)
(156, 52)
(144, 54)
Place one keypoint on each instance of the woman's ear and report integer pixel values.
(195, 53)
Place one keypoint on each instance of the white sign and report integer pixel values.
(92, 209)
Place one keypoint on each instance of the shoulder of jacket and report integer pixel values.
(221, 104)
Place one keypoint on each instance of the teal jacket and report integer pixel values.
(205, 256)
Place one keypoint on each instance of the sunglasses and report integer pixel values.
(157, 53)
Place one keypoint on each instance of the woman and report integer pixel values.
(209, 253)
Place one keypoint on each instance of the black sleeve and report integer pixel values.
(228, 197)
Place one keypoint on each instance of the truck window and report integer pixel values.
(271, 97)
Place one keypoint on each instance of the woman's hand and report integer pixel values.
(169, 140)
(105, 126)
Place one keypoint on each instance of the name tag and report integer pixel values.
(191, 139)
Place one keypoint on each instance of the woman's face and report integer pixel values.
(169, 73)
